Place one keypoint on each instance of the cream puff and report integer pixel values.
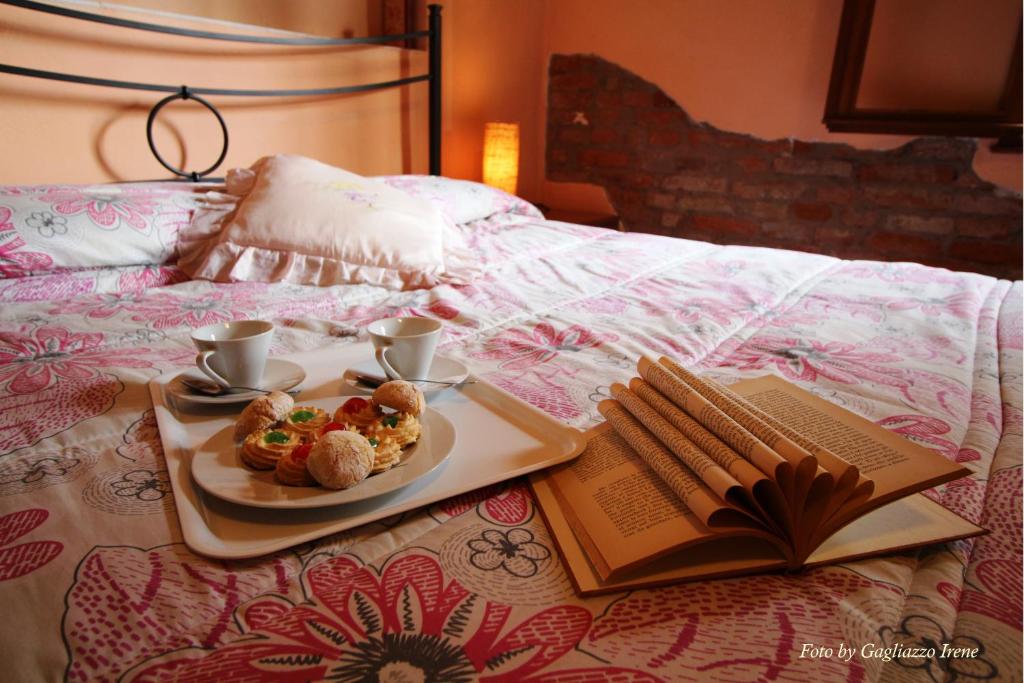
(263, 413)
(261, 450)
(340, 459)
(400, 396)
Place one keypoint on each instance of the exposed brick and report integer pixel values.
(767, 211)
(902, 196)
(933, 225)
(837, 236)
(972, 226)
(638, 98)
(713, 204)
(574, 135)
(822, 167)
(788, 232)
(662, 200)
(608, 98)
(753, 164)
(749, 190)
(604, 135)
(990, 205)
(668, 174)
(982, 251)
(604, 159)
(658, 117)
(860, 218)
(691, 182)
(907, 173)
(574, 80)
(895, 246)
(730, 226)
(835, 194)
(807, 211)
(664, 137)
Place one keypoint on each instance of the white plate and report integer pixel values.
(218, 469)
(442, 369)
(279, 375)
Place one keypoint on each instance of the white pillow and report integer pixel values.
(462, 200)
(301, 221)
(53, 227)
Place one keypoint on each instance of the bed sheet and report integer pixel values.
(97, 584)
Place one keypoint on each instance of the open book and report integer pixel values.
(689, 479)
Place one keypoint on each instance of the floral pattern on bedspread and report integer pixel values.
(99, 586)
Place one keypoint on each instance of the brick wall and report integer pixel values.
(666, 174)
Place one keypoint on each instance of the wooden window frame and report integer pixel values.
(843, 115)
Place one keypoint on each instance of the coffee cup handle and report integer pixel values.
(205, 367)
(383, 362)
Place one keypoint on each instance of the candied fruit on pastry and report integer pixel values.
(400, 396)
(306, 421)
(357, 412)
(402, 428)
(291, 469)
(261, 450)
(263, 413)
(340, 459)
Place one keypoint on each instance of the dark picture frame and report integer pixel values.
(843, 115)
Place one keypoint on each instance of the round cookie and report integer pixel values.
(261, 450)
(400, 396)
(387, 453)
(291, 469)
(263, 413)
(306, 421)
(402, 428)
(357, 412)
(340, 459)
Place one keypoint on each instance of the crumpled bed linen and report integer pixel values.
(97, 585)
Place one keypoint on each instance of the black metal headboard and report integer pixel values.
(432, 77)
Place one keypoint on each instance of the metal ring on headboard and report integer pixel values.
(185, 94)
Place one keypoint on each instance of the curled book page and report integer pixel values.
(765, 493)
(698, 497)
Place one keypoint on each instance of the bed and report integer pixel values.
(98, 583)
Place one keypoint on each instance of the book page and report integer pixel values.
(895, 465)
(765, 494)
(621, 510)
(716, 557)
(905, 523)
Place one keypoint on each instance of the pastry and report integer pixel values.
(263, 413)
(291, 469)
(306, 421)
(357, 412)
(261, 450)
(402, 428)
(400, 396)
(340, 459)
(386, 454)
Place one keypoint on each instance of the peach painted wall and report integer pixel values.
(760, 67)
(751, 66)
(56, 132)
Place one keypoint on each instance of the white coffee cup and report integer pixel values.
(234, 354)
(404, 347)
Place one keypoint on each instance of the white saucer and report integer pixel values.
(279, 375)
(441, 370)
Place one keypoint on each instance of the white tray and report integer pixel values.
(497, 437)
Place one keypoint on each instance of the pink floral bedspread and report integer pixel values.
(97, 585)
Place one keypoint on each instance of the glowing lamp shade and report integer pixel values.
(501, 156)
